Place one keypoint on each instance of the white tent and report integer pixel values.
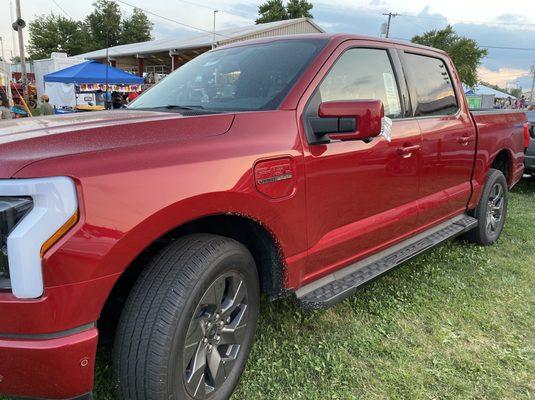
(482, 90)
(56, 62)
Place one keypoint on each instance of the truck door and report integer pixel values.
(361, 195)
(448, 134)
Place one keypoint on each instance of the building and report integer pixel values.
(166, 55)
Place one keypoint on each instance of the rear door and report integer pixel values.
(448, 136)
(361, 195)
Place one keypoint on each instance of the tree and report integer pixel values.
(464, 52)
(53, 33)
(515, 92)
(104, 27)
(104, 24)
(275, 10)
(136, 29)
(299, 9)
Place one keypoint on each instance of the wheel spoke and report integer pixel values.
(233, 335)
(234, 331)
(195, 334)
(235, 298)
(217, 373)
(217, 292)
(228, 363)
(196, 380)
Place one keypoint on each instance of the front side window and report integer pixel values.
(363, 74)
(244, 78)
(432, 83)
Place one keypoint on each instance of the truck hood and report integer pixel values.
(24, 141)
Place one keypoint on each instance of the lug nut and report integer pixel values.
(210, 347)
(205, 340)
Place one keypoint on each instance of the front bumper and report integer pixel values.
(60, 367)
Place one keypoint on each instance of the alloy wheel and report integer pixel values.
(495, 207)
(215, 335)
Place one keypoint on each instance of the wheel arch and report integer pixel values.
(254, 235)
(503, 161)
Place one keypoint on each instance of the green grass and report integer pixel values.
(455, 323)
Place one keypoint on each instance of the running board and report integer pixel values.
(337, 286)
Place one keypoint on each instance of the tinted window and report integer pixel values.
(432, 83)
(363, 74)
(254, 77)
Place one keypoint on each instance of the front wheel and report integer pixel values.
(189, 322)
(491, 210)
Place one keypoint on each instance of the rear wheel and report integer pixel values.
(491, 210)
(189, 322)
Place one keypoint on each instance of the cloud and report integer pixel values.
(512, 64)
(503, 76)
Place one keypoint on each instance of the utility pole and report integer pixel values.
(19, 25)
(3, 53)
(7, 70)
(14, 45)
(214, 40)
(532, 84)
(390, 16)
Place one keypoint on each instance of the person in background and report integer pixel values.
(46, 108)
(5, 110)
(99, 98)
(132, 96)
(117, 100)
(107, 99)
(522, 102)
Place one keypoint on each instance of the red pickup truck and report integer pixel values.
(303, 166)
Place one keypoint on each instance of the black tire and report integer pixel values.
(164, 309)
(483, 234)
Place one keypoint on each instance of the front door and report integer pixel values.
(361, 195)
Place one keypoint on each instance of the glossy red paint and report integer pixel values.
(367, 115)
(142, 174)
(60, 368)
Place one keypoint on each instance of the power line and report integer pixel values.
(509, 48)
(172, 20)
(62, 9)
(467, 22)
(487, 46)
(209, 8)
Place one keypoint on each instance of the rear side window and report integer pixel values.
(363, 74)
(432, 83)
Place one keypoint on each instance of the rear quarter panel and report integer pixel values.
(497, 131)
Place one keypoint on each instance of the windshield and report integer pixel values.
(245, 78)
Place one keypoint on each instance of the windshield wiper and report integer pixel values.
(188, 107)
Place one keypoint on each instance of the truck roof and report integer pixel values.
(334, 38)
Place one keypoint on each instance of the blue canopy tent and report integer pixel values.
(60, 85)
(93, 72)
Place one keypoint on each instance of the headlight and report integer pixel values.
(34, 214)
(12, 210)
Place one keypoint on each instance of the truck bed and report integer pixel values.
(500, 133)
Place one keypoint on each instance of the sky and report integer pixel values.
(506, 28)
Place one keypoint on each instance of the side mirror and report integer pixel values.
(349, 120)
